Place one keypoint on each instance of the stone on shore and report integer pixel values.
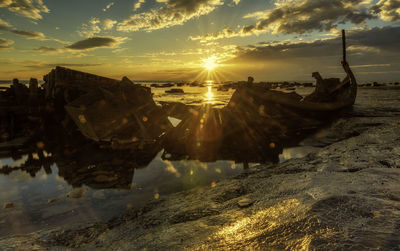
(8, 205)
(77, 193)
(246, 202)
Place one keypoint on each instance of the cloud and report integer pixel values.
(369, 51)
(174, 12)
(51, 50)
(34, 35)
(234, 3)
(139, 4)
(26, 34)
(90, 29)
(368, 42)
(225, 33)
(4, 25)
(388, 10)
(108, 24)
(40, 65)
(30, 34)
(108, 6)
(386, 39)
(371, 65)
(84, 45)
(95, 26)
(28, 8)
(96, 42)
(363, 48)
(46, 49)
(5, 43)
(301, 16)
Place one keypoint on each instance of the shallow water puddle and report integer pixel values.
(46, 198)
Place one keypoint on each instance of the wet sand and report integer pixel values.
(343, 196)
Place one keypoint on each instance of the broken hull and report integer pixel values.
(106, 110)
(238, 136)
(116, 119)
(256, 121)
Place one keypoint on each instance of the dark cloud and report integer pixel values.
(46, 49)
(384, 40)
(83, 45)
(27, 8)
(377, 47)
(5, 43)
(310, 15)
(26, 34)
(96, 42)
(29, 34)
(300, 17)
(388, 10)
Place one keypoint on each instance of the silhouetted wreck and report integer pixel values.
(256, 123)
(106, 110)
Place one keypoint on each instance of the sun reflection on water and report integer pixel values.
(209, 96)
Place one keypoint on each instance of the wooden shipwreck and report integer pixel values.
(107, 110)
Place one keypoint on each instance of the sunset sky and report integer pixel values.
(175, 39)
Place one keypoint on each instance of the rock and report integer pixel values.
(175, 90)
(53, 200)
(9, 205)
(246, 202)
(99, 194)
(104, 178)
(77, 193)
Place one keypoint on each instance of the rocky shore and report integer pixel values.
(344, 196)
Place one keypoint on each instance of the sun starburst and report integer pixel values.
(210, 63)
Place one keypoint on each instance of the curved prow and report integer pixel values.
(345, 92)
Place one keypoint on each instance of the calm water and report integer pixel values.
(50, 197)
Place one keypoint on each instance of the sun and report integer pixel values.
(210, 63)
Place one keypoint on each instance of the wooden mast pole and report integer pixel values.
(344, 45)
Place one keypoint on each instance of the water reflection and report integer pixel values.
(209, 96)
(110, 181)
(83, 163)
(79, 162)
